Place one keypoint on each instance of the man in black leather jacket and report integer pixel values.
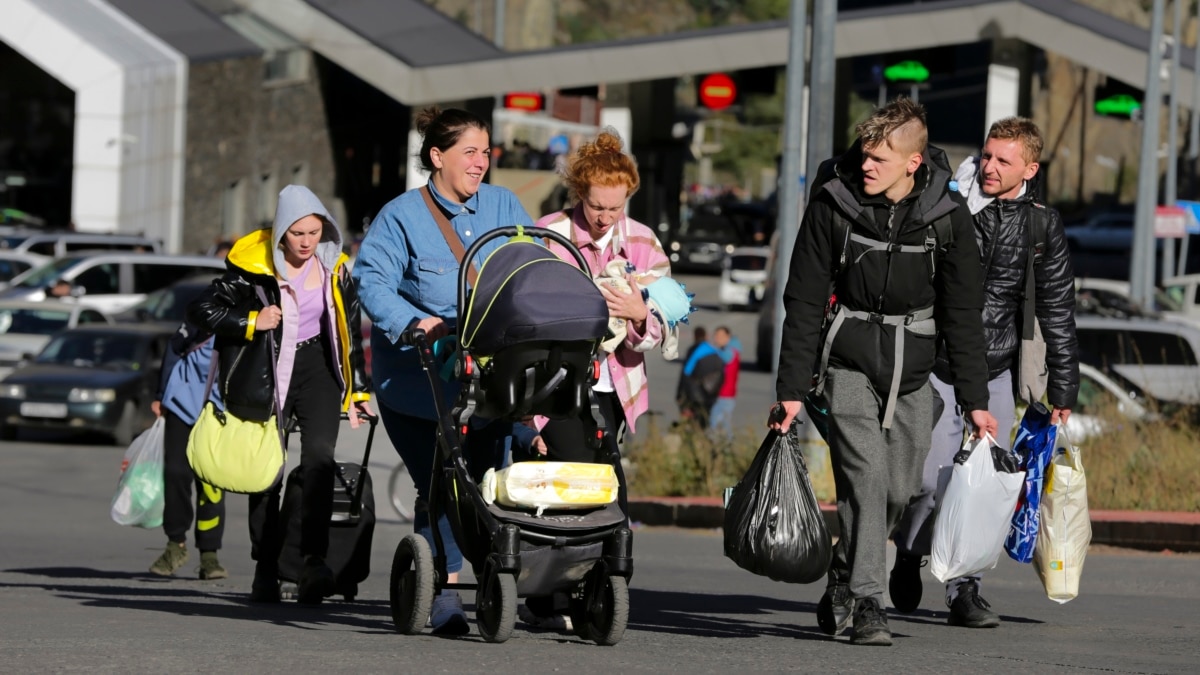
(1010, 226)
(895, 245)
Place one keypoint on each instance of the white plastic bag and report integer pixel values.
(1066, 525)
(973, 515)
(140, 489)
(554, 485)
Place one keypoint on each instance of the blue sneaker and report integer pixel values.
(447, 616)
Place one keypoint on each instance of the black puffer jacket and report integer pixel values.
(229, 307)
(892, 284)
(1005, 231)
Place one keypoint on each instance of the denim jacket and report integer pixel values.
(406, 272)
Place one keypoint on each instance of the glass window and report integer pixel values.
(1159, 349)
(91, 316)
(48, 273)
(148, 277)
(42, 247)
(100, 279)
(33, 321)
(748, 263)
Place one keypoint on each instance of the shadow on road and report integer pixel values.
(719, 616)
(172, 597)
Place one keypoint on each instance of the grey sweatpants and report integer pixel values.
(876, 472)
(914, 535)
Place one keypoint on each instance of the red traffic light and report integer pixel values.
(717, 91)
(524, 100)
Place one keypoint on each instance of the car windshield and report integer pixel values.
(92, 350)
(43, 276)
(1170, 299)
(33, 321)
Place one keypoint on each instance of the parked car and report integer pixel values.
(1181, 291)
(744, 277)
(1111, 298)
(1158, 357)
(1106, 232)
(59, 244)
(110, 282)
(90, 379)
(26, 327)
(702, 243)
(168, 304)
(1099, 394)
(15, 263)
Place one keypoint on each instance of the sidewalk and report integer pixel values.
(1149, 530)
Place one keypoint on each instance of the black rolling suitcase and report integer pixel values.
(351, 527)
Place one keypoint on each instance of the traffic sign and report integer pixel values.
(717, 91)
(1170, 222)
(906, 71)
(525, 100)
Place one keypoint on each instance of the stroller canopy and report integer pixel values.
(525, 293)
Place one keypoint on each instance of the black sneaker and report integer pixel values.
(265, 587)
(970, 610)
(870, 624)
(316, 581)
(904, 584)
(836, 607)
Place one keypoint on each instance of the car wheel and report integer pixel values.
(125, 430)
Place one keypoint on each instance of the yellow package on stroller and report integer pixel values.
(551, 485)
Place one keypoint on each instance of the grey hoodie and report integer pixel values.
(296, 202)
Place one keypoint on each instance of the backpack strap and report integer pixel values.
(450, 235)
(1035, 238)
(918, 322)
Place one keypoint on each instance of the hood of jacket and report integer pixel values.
(252, 253)
(930, 183)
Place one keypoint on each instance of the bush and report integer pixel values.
(1142, 466)
(685, 461)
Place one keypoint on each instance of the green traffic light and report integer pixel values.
(1119, 104)
(906, 71)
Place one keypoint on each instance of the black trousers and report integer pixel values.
(177, 496)
(314, 401)
(567, 440)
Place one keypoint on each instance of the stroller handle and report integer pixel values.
(414, 337)
(509, 232)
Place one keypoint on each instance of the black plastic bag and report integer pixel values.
(773, 524)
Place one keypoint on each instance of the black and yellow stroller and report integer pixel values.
(529, 335)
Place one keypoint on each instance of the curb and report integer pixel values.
(1147, 530)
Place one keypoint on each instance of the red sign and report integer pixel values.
(525, 100)
(717, 91)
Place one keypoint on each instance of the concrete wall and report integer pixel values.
(246, 140)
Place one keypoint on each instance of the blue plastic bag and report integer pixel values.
(1035, 445)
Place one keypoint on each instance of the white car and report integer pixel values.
(1095, 390)
(1111, 297)
(743, 277)
(15, 263)
(26, 327)
(1161, 358)
(1182, 291)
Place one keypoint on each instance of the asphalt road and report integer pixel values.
(75, 596)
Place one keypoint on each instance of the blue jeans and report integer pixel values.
(415, 440)
(721, 416)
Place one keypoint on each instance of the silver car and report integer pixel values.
(25, 327)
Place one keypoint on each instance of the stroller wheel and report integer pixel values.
(411, 587)
(496, 606)
(602, 614)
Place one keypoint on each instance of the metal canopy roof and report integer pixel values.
(188, 28)
(418, 56)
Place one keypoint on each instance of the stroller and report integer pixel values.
(529, 335)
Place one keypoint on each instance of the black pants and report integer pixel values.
(177, 496)
(313, 399)
(568, 440)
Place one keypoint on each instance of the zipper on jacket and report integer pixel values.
(232, 368)
(887, 275)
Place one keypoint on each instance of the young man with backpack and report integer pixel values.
(1029, 289)
(888, 248)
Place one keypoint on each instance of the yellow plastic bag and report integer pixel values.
(1066, 526)
(233, 454)
(554, 485)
